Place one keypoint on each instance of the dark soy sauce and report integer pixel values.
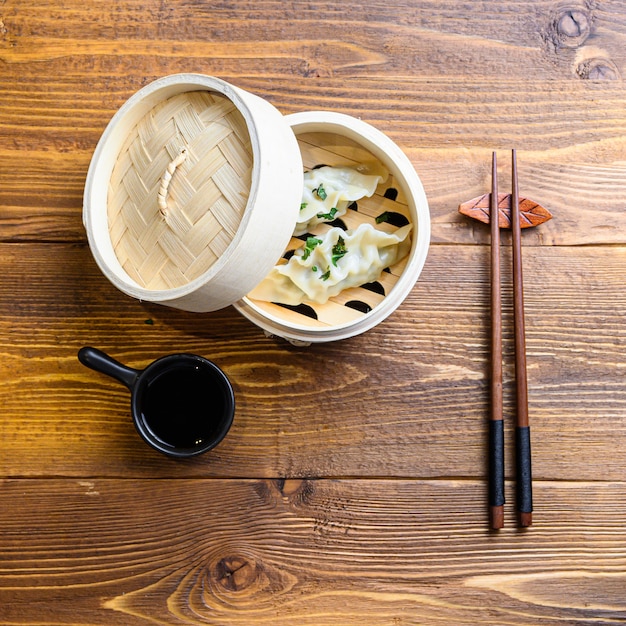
(184, 406)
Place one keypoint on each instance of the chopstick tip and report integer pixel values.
(525, 519)
(497, 517)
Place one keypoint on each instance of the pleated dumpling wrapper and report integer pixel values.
(328, 264)
(328, 191)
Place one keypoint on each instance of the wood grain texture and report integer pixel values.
(408, 398)
(447, 86)
(305, 552)
(352, 486)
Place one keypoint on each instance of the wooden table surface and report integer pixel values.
(351, 489)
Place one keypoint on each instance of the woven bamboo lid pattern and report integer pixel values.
(179, 189)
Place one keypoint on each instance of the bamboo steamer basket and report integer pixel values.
(194, 190)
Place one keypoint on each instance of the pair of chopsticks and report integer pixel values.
(496, 423)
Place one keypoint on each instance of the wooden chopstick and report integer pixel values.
(522, 430)
(496, 423)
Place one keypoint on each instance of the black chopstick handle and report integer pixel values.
(524, 470)
(496, 462)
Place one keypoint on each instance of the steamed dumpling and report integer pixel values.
(328, 264)
(328, 191)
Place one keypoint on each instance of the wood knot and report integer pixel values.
(573, 26)
(315, 71)
(569, 27)
(236, 573)
(597, 68)
(296, 491)
(240, 578)
(286, 493)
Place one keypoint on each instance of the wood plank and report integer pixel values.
(432, 80)
(397, 39)
(408, 398)
(308, 552)
(583, 187)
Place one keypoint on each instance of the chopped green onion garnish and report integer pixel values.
(330, 216)
(321, 192)
(311, 242)
(339, 250)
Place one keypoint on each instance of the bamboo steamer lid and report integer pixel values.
(192, 193)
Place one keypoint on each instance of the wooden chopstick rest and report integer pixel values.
(531, 213)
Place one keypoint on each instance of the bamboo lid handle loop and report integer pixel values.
(166, 179)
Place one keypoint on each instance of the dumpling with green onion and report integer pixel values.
(330, 263)
(328, 191)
